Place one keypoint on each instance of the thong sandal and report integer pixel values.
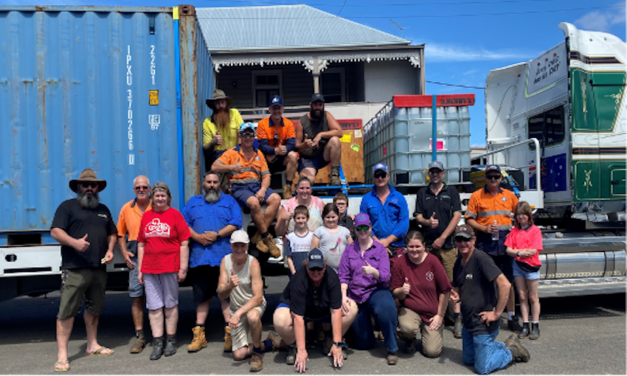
(102, 351)
(60, 366)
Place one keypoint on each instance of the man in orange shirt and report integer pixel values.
(277, 141)
(489, 213)
(129, 223)
(249, 179)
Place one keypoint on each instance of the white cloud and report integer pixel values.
(602, 20)
(439, 52)
(472, 71)
(477, 146)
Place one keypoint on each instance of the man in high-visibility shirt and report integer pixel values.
(249, 179)
(219, 131)
(490, 213)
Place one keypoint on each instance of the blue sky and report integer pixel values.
(464, 39)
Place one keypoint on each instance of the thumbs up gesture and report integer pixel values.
(433, 222)
(81, 244)
(368, 270)
(308, 142)
(218, 139)
(237, 167)
(234, 279)
(406, 287)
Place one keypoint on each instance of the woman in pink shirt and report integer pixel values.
(523, 243)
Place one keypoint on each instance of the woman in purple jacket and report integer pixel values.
(365, 277)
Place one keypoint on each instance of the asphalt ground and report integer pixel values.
(579, 335)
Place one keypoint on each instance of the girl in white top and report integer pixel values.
(331, 239)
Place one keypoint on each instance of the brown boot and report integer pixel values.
(334, 176)
(228, 340)
(277, 342)
(140, 343)
(256, 362)
(287, 192)
(199, 341)
(274, 250)
(258, 241)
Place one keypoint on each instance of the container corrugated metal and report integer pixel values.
(75, 91)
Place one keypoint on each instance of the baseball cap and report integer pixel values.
(493, 168)
(240, 236)
(362, 219)
(380, 166)
(246, 126)
(436, 164)
(316, 260)
(317, 98)
(464, 231)
(276, 101)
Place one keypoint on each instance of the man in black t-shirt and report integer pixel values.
(474, 277)
(85, 229)
(312, 295)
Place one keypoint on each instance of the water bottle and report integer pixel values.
(495, 237)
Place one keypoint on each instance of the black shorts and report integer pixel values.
(204, 280)
(504, 262)
(316, 163)
(277, 164)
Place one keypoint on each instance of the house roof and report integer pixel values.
(284, 27)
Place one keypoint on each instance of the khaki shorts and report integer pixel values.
(241, 335)
(447, 257)
(77, 284)
(411, 323)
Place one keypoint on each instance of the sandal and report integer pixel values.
(61, 366)
(102, 351)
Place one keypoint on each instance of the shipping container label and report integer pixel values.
(129, 99)
(154, 121)
(153, 97)
(153, 67)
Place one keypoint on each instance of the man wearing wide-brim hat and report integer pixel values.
(220, 130)
(84, 227)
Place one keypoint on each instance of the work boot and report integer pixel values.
(535, 331)
(258, 241)
(326, 347)
(291, 355)
(287, 191)
(256, 362)
(140, 343)
(519, 353)
(410, 346)
(228, 340)
(170, 346)
(524, 333)
(199, 341)
(457, 330)
(274, 250)
(514, 324)
(334, 176)
(392, 358)
(277, 342)
(157, 348)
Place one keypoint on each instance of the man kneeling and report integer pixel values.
(240, 282)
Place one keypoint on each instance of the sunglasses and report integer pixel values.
(380, 175)
(362, 228)
(434, 172)
(142, 187)
(89, 185)
(461, 239)
(247, 135)
(493, 177)
(315, 269)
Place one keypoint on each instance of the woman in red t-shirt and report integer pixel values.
(163, 260)
(523, 243)
(420, 282)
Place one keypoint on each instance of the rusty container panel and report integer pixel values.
(83, 87)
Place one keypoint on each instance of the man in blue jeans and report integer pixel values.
(474, 277)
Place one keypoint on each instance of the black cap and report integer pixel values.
(493, 168)
(317, 98)
(316, 260)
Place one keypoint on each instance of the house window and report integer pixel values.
(547, 127)
(266, 84)
(332, 85)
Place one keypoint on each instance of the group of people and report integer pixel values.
(348, 274)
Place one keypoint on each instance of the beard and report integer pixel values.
(88, 201)
(212, 195)
(315, 114)
(222, 118)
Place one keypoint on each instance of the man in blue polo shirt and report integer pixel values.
(211, 217)
(388, 212)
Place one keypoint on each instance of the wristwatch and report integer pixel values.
(340, 344)
(518, 254)
(218, 236)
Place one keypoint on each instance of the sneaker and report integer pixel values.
(524, 333)
(519, 353)
(272, 248)
(256, 362)
(258, 241)
(514, 324)
(392, 358)
(334, 176)
(140, 343)
(457, 330)
(157, 349)
(199, 341)
(287, 192)
(228, 340)
(291, 355)
(535, 331)
(277, 342)
(170, 346)
(410, 346)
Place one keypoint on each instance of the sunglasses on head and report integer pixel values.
(89, 185)
(362, 228)
(460, 239)
(493, 177)
(141, 187)
(380, 175)
(247, 135)
(315, 269)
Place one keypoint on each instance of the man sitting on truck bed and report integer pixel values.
(249, 179)
(219, 131)
(318, 141)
